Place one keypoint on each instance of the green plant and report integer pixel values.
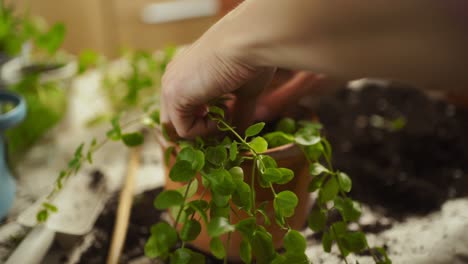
(132, 94)
(219, 161)
(46, 103)
(130, 87)
(15, 30)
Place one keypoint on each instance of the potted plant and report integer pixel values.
(12, 33)
(40, 76)
(242, 196)
(212, 185)
(13, 110)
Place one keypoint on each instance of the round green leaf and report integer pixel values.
(305, 138)
(200, 206)
(254, 129)
(276, 139)
(262, 247)
(316, 183)
(217, 248)
(272, 175)
(216, 155)
(294, 242)
(245, 251)
(182, 171)
(242, 196)
(42, 216)
(285, 203)
(316, 169)
(233, 151)
(259, 144)
(190, 230)
(349, 209)
(329, 191)
(216, 110)
(354, 241)
(237, 173)
(314, 152)
(220, 211)
(168, 199)
(50, 207)
(218, 226)
(247, 227)
(339, 228)
(286, 176)
(317, 219)
(220, 200)
(286, 125)
(163, 237)
(167, 155)
(344, 181)
(193, 188)
(133, 139)
(262, 210)
(327, 241)
(265, 161)
(181, 256)
(152, 249)
(221, 182)
(288, 258)
(194, 156)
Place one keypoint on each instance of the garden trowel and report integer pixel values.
(79, 204)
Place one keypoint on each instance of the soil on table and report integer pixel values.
(405, 152)
(143, 216)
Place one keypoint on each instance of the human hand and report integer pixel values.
(203, 73)
(187, 90)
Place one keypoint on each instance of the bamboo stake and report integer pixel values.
(125, 205)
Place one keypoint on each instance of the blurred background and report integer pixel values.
(108, 26)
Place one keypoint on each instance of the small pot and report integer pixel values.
(287, 156)
(7, 120)
(14, 70)
(21, 139)
(228, 5)
(459, 99)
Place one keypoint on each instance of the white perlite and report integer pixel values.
(439, 238)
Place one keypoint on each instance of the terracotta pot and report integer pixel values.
(457, 98)
(287, 156)
(228, 5)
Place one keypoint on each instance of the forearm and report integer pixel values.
(420, 41)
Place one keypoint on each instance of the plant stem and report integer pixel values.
(376, 260)
(182, 205)
(273, 190)
(339, 245)
(242, 140)
(305, 155)
(252, 187)
(228, 242)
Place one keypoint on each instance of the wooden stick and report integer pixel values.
(125, 205)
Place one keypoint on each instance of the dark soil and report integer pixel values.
(406, 153)
(143, 216)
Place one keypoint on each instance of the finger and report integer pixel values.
(273, 104)
(246, 101)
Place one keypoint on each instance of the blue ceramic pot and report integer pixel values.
(7, 120)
